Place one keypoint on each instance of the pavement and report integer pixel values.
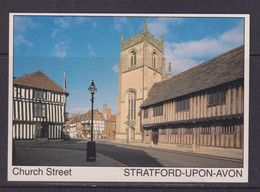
(198, 150)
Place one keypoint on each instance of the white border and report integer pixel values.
(116, 174)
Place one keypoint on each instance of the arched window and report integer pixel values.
(154, 60)
(131, 105)
(133, 58)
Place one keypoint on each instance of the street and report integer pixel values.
(111, 154)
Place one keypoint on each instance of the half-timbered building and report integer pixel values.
(203, 105)
(39, 107)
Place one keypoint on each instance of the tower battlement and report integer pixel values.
(145, 36)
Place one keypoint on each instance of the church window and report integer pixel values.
(133, 58)
(131, 105)
(154, 60)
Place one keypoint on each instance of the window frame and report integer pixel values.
(132, 105)
(205, 130)
(39, 110)
(217, 97)
(163, 132)
(228, 129)
(175, 131)
(145, 113)
(154, 59)
(188, 130)
(133, 59)
(158, 110)
(182, 105)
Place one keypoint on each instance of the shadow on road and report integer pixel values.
(73, 153)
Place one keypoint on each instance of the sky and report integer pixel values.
(88, 48)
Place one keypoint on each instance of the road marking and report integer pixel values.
(115, 161)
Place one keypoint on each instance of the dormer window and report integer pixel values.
(154, 60)
(133, 58)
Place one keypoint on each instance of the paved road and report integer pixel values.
(119, 155)
(133, 156)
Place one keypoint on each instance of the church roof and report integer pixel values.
(39, 80)
(224, 68)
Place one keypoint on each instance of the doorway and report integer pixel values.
(132, 134)
(155, 136)
(41, 131)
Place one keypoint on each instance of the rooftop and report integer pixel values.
(39, 80)
(224, 68)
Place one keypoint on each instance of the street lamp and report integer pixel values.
(91, 146)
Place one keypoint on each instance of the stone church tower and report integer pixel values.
(141, 64)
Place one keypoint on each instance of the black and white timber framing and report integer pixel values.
(38, 113)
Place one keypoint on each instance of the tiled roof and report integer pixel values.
(224, 68)
(39, 80)
(96, 115)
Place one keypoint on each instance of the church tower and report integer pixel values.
(141, 64)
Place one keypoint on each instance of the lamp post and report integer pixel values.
(91, 146)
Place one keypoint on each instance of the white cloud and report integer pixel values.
(234, 35)
(63, 22)
(91, 51)
(55, 32)
(19, 39)
(21, 25)
(81, 20)
(115, 68)
(161, 26)
(119, 22)
(94, 24)
(188, 54)
(60, 49)
(81, 110)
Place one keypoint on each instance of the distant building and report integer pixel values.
(79, 125)
(110, 123)
(98, 123)
(39, 108)
(203, 105)
(103, 124)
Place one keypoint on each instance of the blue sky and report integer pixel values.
(87, 48)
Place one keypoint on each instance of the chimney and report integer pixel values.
(104, 108)
(109, 113)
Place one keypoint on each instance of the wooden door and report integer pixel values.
(132, 134)
(41, 131)
(155, 136)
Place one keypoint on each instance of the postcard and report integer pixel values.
(128, 98)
